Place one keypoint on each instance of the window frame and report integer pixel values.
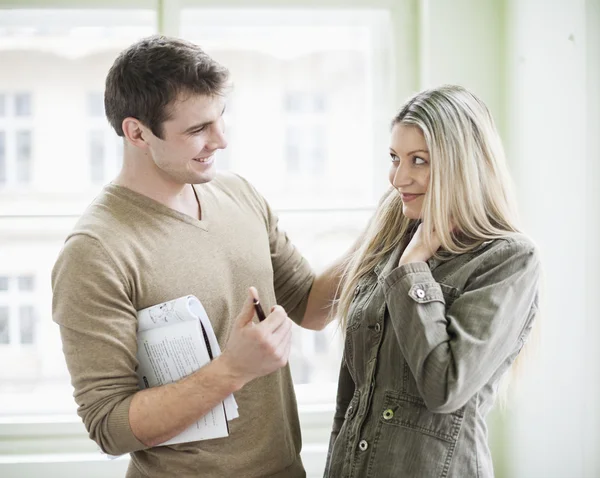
(48, 441)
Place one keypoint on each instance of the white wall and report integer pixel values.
(536, 63)
(551, 144)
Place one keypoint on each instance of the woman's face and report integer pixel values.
(409, 172)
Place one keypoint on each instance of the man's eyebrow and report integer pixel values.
(200, 125)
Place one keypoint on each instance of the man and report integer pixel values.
(170, 226)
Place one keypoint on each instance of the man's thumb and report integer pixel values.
(247, 312)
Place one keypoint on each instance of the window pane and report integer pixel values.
(27, 323)
(22, 104)
(2, 157)
(2, 105)
(23, 156)
(26, 283)
(97, 156)
(4, 325)
(96, 105)
(53, 63)
(59, 58)
(314, 88)
(3, 283)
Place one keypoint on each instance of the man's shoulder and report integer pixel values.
(103, 218)
(229, 181)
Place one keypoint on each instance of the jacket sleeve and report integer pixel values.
(98, 322)
(453, 354)
(345, 393)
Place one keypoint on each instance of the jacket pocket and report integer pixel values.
(412, 441)
(410, 412)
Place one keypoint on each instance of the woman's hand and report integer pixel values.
(417, 250)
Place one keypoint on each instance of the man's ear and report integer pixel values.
(135, 132)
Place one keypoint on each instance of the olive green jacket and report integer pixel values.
(426, 346)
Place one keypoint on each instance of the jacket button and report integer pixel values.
(388, 414)
(357, 290)
(363, 445)
(420, 293)
(349, 411)
(377, 327)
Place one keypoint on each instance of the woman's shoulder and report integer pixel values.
(515, 241)
(513, 246)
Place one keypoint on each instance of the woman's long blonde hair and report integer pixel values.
(469, 199)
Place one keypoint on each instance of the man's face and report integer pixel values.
(190, 138)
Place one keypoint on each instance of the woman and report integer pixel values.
(436, 302)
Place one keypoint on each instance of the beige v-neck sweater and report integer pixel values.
(128, 252)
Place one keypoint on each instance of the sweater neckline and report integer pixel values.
(144, 201)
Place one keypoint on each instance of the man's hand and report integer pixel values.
(257, 349)
(417, 250)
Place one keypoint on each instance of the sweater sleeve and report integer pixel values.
(92, 306)
(292, 275)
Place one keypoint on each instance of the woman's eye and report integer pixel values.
(419, 161)
(395, 158)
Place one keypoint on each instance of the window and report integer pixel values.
(288, 123)
(305, 140)
(17, 311)
(4, 326)
(105, 148)
(303, 126)
(305, 153)
(2, 157)
(56, 151)
(96, 105)
(15, 139)
(23, 104)
(23, 157)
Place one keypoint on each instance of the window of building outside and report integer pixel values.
(105, 147)
(16, 138)
(294, 107)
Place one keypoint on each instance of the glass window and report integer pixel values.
(2, 105)
(305, 149)
(4, 325)
(57, 58)
(27, 323)
(97, 152)
(2, 157)
(23, 104)
(24, 139)
(305, 108)
(96, 104)
(304, 102)
(26, 283)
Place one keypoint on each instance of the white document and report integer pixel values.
(175, 339)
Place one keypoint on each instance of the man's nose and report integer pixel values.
(217, 139)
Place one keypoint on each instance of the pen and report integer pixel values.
(259, 310)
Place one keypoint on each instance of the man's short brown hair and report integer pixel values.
(148, 76)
